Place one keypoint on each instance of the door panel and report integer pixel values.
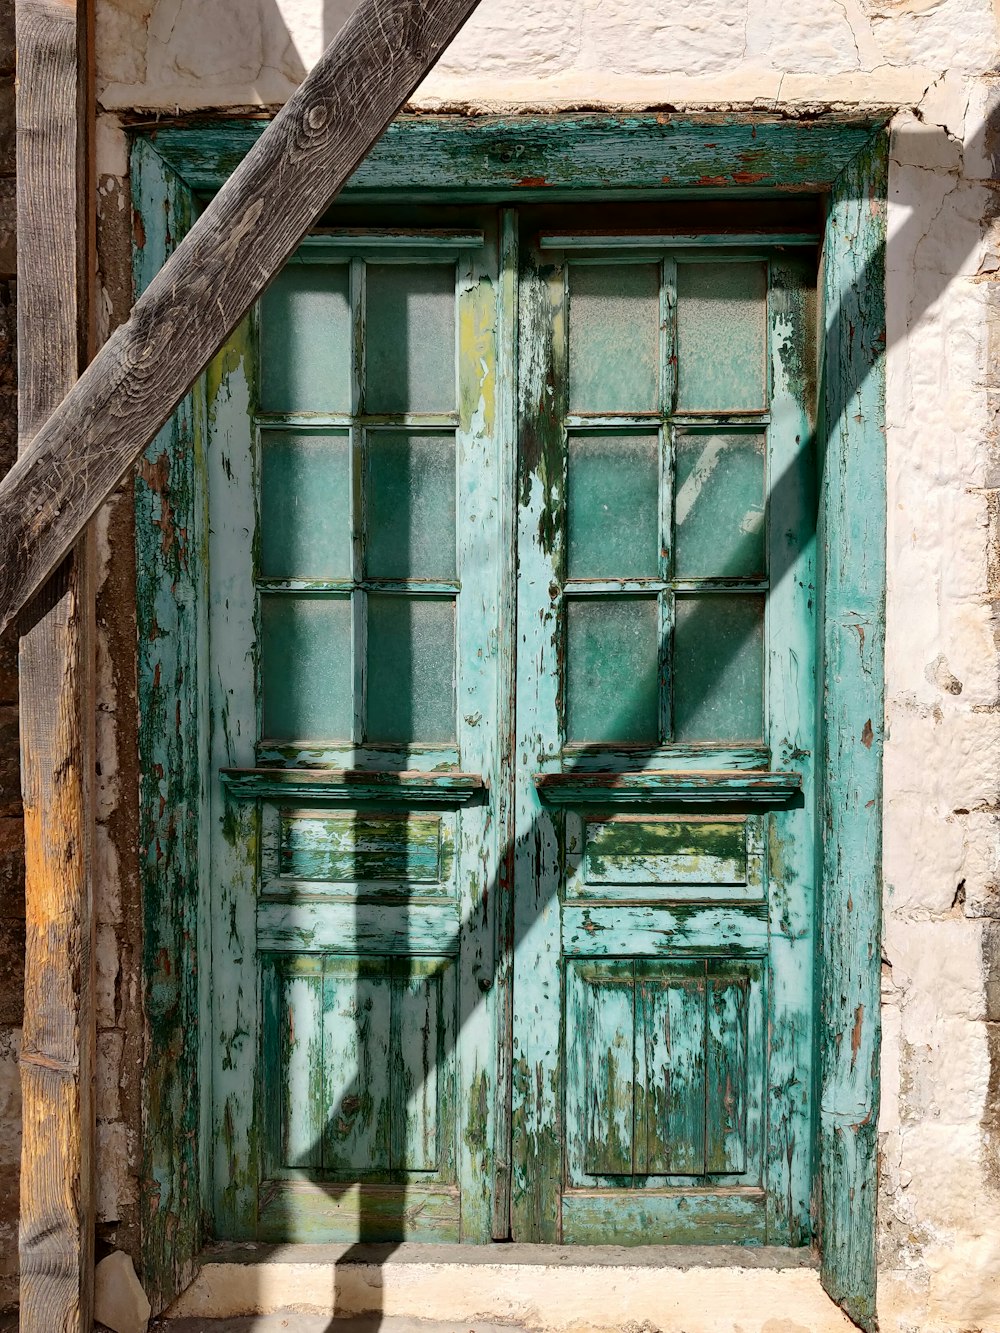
(662, 983)
(353, 457)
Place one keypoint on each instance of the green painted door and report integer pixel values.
(354, 573)
(511, 932)
(663, 905)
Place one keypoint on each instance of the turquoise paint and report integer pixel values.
(170, 610)
(353, 786)
(321, 962)
(722, 675)
(550, 157)
(852, 533)
(852, 1283)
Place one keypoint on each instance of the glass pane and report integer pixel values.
(305, 340)
(411, 506)
(613, 506)
(305, 505)
(721, 312)
(612, 669)
(719, 506)
(411, 669)
(614, 340)
(410, 338)
(306, 668)
(719, 668)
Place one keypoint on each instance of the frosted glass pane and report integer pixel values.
(613, 506)
(411, 506)
(410, 338)
(719, 668)
(305, 505)
(305, 340)
(612, 669)
(411, 669)
(306, 667)
(721, 317)
(614, 320)
(719, 506)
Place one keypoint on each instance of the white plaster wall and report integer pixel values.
(940, 1121)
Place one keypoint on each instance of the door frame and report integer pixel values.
(175, 166)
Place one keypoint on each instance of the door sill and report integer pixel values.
(583, 1289)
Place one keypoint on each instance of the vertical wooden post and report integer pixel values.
(56, 713)
(852, 520)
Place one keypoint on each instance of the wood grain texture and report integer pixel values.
(56, 708)
(238, 244)
(419, 789)
(657, 787)
(852, 517)
(535, 156)
(170, 609)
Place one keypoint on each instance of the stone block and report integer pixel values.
(11, 971)
(8, 227)
(8, 657)
(8, 158)
(10, 762)
(119, 1300)
(11, 868)
(6, 36)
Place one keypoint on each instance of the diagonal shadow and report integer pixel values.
(784, 496)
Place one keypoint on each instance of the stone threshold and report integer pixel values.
(593, 1289)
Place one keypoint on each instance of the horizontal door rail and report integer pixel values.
(652, 787)
(638, 240)
(255, 222)
(353, 785)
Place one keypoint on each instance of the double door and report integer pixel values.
(512, 617)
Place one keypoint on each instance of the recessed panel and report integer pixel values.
(613, 510)
(718, 668)
(670, 1004)
(298, 1013)
(410, 505)
(345, 848)
(666, 851)
(306, 667)
(305, 505)
(719, 506)
(612, 673)
(305, 340)
(410, 338)
(411, 669)
(357, 1085)
(721, 337)
(614, 343)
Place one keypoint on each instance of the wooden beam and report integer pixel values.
(240, 242)
(56, 712)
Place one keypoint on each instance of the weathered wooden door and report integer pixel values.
(354, 566)
(664, 886)
(640, 751)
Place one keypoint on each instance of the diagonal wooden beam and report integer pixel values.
(302, 160)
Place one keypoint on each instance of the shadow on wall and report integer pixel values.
(912, 292)
(191, 43)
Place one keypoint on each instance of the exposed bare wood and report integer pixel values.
(57, 1194)
(300, 162)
